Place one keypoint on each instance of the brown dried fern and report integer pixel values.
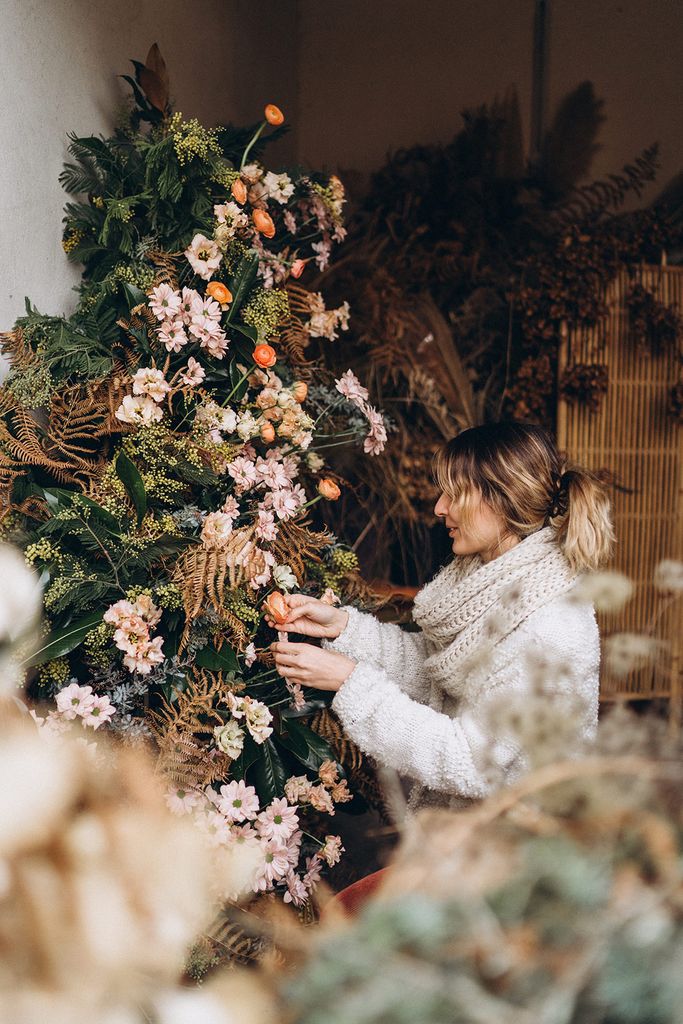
(295, 544)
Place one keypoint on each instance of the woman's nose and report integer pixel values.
(441, 507)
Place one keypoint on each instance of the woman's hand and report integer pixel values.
(312, 666)
(311, 617)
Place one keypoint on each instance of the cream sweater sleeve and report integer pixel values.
(400, 653)
(467, 754)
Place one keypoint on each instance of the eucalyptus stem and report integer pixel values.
(255, 137)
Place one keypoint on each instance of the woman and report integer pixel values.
(523, 526)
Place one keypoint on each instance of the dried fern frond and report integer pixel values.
(295, 544)
(202, 574)
(165, 264)
(299, 298)
(185, 763)
(17, 350)
(294, 339)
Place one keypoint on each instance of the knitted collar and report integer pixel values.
(470, 606)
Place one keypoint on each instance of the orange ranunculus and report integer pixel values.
(267, 432)
(263, 223)
(328, 489)
(276, 607)
(273, 114)
(298, 267)
(299, 390)
(239, 191)
(220, 292)
(265, 356)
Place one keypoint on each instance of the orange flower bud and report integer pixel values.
(263, 223)
(298, 267)
(239, 191)
(220, 292)
(273, 114)
(267, 432)
(265, 355)
(275, 606)
(328, 489)
(299, 390)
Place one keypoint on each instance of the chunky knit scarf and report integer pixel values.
(470, 606)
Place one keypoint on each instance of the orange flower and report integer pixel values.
(263, 223)
(299, 390)
(267, 432)
(219, 292)
(273, 114)
(265, 356)
(239, 191)
(328, 489)
(275, 606)
(298, 267)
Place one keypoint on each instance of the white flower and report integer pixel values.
(148, 381)
(314, 462)
(229, 738)
(230, 215)
(238, 802)
(280, 186)
(216, 530)
(75, 700)
(204, 256)
(284, 577)
(258, 719)
(350, 387)
(607, 590)
(139, 410)
(248, 426)
(669, 575)
(625, 652)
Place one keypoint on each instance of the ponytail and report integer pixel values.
(585, 531)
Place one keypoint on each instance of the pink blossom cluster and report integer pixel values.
(323, 323)
(133, 621)
(233, 815)
(74, 701)
(188, 316)
(321, 796)
(351, 388)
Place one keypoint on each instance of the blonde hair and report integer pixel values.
(517, 470)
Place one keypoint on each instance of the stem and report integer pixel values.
(255, 137)
(237, 385)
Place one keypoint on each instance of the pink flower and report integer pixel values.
(320, 799)
(328, 773)
(376, 439)
(265, 525)
(231, 507)
(331, 850)
(148, 381)
(164, 302)
(204, 256)
(249, 655)
(290, 221)
(329, 597)
(145, 607)
(183, 801)
(238, 802)
(194, 374)
(243, 835)
(102, 710)
(272, 473)
(217, 828)
(205, 310)
(131, 633)
(147, 654)
(172, 335)
(322, 250)
(297, 788)
(297, 695)
(313, 868)
(216, 530)
(244, 473)
(258, 719)
(115, 614)
(274, 865)
(75, 700)
(277, 821)
(297, 892)
(287, 503)
(188, 304)
(215, 343)
(350, 387)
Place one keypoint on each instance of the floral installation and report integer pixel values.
(162, 454)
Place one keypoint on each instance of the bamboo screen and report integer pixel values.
(635, 437)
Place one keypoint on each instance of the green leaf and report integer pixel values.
(62, 641)
(268, 774)
(306, 745)
(129, 476)
(246, 330)
(134, 296)
(59, 497)
(250, 753)
(224, 660)
(241, 284)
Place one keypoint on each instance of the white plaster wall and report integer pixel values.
(59, 61)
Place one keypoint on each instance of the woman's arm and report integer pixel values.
(400, 653)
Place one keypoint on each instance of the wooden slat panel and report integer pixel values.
(635, 437)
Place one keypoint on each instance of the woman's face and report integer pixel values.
(486, 534)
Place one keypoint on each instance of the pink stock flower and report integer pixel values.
(101, 711)
(320, 799)
(194, 374)
(331, 850)
(265, 525)
(147, 654)
(148, 381)
(322, 250)
(204, 256)
(164, 302)
(75, 700)
(238, 802)
(277, 821)
(249, 655)
(286, 503)
(244, 473)
(131, 633)
(290, 221)
(116, 613)
(297, 788)
(272, 473)
(297, 892)
(328, 773)
(350, 387)
(145, 607)
(376, 439)
(231, 507)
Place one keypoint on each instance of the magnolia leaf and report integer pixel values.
(306, 745)
(129, 476)
(62, 641)
(156, 63)
(153, 89)
(224, 660)
(241, 284)
(268, 774)
(250, 753)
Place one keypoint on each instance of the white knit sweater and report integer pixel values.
(448, 749)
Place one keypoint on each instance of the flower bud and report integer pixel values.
(298, 267)
(263, 223)
(328, 489)
(273, 114)
(299, 390)
(264, 356)
(276, 607)
(239, 191)
(220, 292)
(267, 432)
